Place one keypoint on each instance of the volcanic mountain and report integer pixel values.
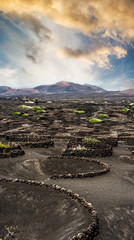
(63, 86)
(7, 91)
(129, 91)
(59, 87)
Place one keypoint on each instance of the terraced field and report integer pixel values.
(59, 145)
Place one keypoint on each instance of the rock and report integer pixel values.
(125, 158)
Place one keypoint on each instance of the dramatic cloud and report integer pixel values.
(93, 37)
(105, 19)
(41, 31)
(89, 16)
(99, 55)
(23, 36)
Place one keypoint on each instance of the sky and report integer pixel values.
(81, 41)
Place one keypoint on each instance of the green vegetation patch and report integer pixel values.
(29, 102)
(100, 102)
(17, 113)
(85, 139)
(79, 148)
(41, 111)
(36, 108)
(75, 111)
(4, 145)
(95, 120)
(125, 110)
(25, 115)
(103, 116)
(25, 107)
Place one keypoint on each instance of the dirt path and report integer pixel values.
(95, 114)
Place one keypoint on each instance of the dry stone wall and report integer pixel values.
(92, 229)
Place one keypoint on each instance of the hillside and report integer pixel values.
(59, 87)
(129, 91)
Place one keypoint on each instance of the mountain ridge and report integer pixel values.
(61, 87)
(57, 88)
(129, 91)
(64, 86)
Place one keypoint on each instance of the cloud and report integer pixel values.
(120, 82)
(20, 41)
(88, 16)
(32, 53)
(32, 21)
(85, 31)
(8, 77)
(100, 54)
(31, 57)
(97, 19)
(120, 52)
(14, 77)
(6, 72)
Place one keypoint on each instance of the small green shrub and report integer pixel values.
(103, 116)
(25, 107)
(79, 147)
(24, 99)
(36, 108)
(17, 113)
(29, 102)
(94, 120)
(85, 139)
(100, 102)
(125, 110)
(25, 115)
(38, 118)
(4, 145)
(41, 111)
(75, 111)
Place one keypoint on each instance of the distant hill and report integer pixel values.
(7, 91)
(66, 87)
(59, 87)
(4, 89)
(62, 87)
(129, 91)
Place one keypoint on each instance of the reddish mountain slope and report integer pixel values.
(60, 87)
(129, 91)
(64, 86)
